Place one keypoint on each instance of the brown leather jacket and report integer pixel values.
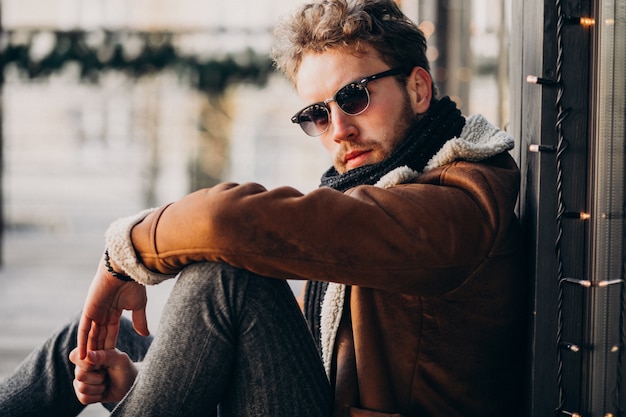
(434, 269)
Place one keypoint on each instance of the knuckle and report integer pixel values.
(80, 375)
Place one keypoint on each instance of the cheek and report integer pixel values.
(389, 110)
(383, 125)
(327, 142)
(392, 126)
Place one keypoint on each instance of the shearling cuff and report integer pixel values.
(121, 250)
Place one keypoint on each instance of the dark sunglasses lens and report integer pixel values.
(353, 98)
(314, 120)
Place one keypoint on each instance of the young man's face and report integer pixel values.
(371, 136)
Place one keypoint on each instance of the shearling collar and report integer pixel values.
(479, 140)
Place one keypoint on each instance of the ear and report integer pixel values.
(420, 89)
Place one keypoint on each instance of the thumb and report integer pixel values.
(108, 358)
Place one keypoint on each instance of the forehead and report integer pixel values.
(321, 74)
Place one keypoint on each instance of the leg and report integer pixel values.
(42, 384)
(233, 340)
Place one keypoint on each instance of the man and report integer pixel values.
(416, 296)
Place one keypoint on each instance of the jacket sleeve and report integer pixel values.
(422, 238)
(120, 247)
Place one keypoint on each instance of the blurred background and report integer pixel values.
(109, 107)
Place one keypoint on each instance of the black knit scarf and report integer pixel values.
(425, 137)
(442, 122)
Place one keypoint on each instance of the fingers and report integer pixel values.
(90, 380)
(88, 394)
(109, 358)
(107, 336)
(92, 336)
(84, 328)
(90, 386)
(94, 341)
(140, 322)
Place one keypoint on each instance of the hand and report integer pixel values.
(107, 298)
(103, 376)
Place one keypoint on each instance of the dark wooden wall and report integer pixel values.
(557, 195)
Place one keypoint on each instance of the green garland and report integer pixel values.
(157, 53)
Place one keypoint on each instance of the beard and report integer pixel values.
(382, 147)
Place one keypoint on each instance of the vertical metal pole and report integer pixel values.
(453, 66)
(1, 150)
(607, 237)
(502, 69)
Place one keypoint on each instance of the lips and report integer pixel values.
(354, 159)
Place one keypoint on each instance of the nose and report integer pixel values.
(342, 127)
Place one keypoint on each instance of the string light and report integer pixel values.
(577, 215)
(541, 148)
(587, 21)
(578, 20)
(570, 346)
(606, 283)
(533, 79)
(582, 282)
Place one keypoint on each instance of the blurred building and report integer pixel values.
(149, 135)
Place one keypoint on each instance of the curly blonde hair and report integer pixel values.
(349, 25)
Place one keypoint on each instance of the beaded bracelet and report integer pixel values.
(107, 264)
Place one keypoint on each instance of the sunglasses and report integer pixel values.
(353, 99)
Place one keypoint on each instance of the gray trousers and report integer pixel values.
(230, 343)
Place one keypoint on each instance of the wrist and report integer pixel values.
(109, 267)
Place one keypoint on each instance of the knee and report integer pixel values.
(224, 284)
(208, 283)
